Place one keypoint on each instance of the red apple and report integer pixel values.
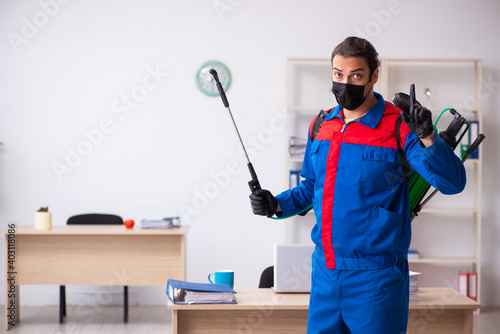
(129, 223)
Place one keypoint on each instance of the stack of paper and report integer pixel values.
(181, 292)
(414, 286)
(297, 147)
(413, 254)
(205, 297)
(169, 222)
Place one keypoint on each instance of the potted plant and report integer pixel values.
(43, 219)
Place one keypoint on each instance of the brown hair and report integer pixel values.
(358, 47)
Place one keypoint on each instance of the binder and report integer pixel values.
(474, 132)
(181, 292)
(464, 144)
(294, 178)
(472, 288)
(463, 283)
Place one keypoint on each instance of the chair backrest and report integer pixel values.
(267, 278)
(95, 218)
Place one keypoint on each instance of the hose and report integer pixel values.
(298, 213)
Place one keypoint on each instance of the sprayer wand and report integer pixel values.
(254, 183)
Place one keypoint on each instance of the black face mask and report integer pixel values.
(349, 96)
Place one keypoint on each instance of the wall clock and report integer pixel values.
(205, 81)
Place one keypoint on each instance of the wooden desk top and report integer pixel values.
(97, 230)
(445, 298)
(259, 299)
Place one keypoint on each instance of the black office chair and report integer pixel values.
(267, 278)
(92, 219)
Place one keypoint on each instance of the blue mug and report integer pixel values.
(223, 277)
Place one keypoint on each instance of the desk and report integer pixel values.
(92, 255)
(440, 310)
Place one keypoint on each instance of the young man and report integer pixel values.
(353, 177)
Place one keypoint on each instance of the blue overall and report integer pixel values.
(353, 177)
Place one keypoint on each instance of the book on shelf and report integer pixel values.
(474, 133)
(468, 139)
(464, 144)
(295, 178)
(472, 288)
(168, 222)
(182, 292)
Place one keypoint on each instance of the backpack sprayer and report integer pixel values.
(417, 185)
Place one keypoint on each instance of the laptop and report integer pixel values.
(292, 268)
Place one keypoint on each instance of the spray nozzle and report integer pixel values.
(451, 133)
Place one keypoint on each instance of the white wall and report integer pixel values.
(68, 75)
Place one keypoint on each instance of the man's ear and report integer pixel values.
(375, 76)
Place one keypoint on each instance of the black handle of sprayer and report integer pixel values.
(222, 93)
(474, 146)
(254, 183)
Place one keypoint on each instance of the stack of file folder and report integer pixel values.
(414, 286)
(297, 147)
(181, 292)
(169, 222)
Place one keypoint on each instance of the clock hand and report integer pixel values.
(254, 183)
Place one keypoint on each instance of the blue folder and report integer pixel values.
(176, 290)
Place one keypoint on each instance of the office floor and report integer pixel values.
(89, 320)
(145, 319)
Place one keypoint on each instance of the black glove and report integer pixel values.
(263, 203)
(419, 118)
